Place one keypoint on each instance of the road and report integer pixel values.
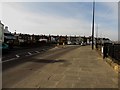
(21, 52)
(17, 70)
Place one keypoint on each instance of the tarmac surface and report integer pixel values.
(22, 51)
(62, 67)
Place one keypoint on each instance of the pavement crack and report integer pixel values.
(49, 77)
(30, 69)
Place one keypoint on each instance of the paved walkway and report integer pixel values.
(79, 68)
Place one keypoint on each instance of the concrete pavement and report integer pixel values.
(79, 68)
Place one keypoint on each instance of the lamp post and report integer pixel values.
(93, 26)
(96, 36)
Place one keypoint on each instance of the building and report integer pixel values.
(62, 40)
(74, 40)
(8, 37)
(1, 32)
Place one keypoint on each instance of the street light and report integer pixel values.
(96, 35)
(93, 26)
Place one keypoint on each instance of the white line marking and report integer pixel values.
(9, 60)
(37, 51)
(25, 55)
(0, 59)
(17, 56)
(43, 49)
(29, 53)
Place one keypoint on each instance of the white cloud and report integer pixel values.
(59, 0)
(113, 6)
(107, 32)
(0, 10)
(45, 23)
(108, 24)
(27, 22)
(111, 12)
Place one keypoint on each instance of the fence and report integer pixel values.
(111, 50)
(114, 51)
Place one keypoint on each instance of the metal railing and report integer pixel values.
(114, 51)
(110, 50)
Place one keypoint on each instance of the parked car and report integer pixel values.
(82, 44)
(4, 47)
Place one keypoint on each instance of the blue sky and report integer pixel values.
(61, 18)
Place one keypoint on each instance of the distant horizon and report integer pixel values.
(47, 34)
(62, 35)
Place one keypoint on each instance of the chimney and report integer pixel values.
(6, 29)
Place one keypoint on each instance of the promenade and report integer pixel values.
(78, 68)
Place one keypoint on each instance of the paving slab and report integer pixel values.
(82, 68)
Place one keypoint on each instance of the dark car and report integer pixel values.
(4, 47)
